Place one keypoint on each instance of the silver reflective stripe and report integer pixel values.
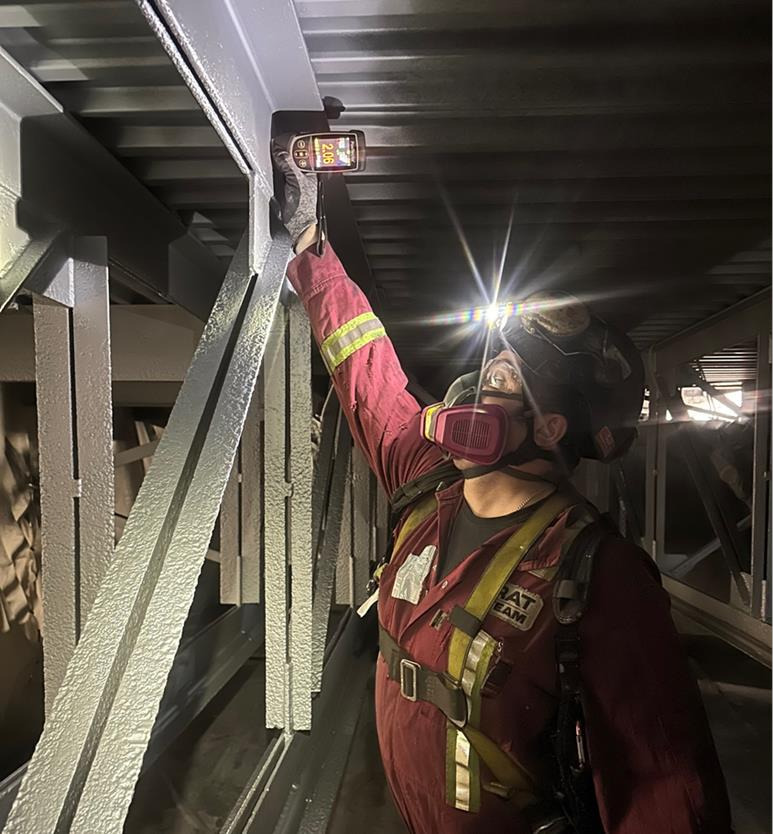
(463, 776)
(473, 659)
(349, 338)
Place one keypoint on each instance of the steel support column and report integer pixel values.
(93, 415)
(330, 543)
(275, 514)
(300, 554)
(75, 437)
(726, 532)
(251, 503)
(289, 557)
(230, 545)
(58, 490)
(82, 775)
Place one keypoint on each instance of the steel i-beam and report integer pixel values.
(300, 554)
(75, 437)
(275, 515)
(81, 777)
(289, 565)
(330, 543)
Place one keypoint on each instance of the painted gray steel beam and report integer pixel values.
(45, 255)
(230, 555)
(275, 514)
(75, 436)
(242, 62)
(93, 416)
(58, 490)
(330, 547)
(67, 177)
(136, 330)
(251, 498)
(94, 740)
(300, 553)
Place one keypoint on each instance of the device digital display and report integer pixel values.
(334, 154)
(329, 152)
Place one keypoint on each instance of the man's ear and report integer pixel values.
(549, 430)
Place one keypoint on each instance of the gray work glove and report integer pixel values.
(299, 203)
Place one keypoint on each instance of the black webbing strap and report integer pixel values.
(420, 684)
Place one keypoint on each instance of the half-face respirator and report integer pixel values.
(476, 432)
(464, 427)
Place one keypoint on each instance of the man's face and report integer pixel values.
(501, 374)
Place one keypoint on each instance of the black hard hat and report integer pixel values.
(569, 355)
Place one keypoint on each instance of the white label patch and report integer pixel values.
(517, 606)
(412, 573)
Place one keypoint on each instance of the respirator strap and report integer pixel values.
(526, 452)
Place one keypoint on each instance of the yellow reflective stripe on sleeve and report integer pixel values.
(498, 571)
(349, 338)
(415, 517)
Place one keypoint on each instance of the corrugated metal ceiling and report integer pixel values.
(100, 59)
(631, 142)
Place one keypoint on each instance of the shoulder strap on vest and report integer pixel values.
(467, 620)
(572, 586)
(406, 494)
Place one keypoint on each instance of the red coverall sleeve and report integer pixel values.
(383, 416)
(655, 767)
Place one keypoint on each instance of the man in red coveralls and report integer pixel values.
(465, 702)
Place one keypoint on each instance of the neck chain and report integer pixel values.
(534, 498)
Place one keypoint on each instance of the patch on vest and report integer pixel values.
(517, 606)
(410, 576)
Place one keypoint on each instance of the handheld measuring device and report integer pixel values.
(329, 153)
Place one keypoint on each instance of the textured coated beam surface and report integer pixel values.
(251, 497)
(58, 489)
(330, 546)
(93, 415)
(301, 556)
(275, 515)
(230, 556)
(94, 741)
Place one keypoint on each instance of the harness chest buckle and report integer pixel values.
(409, 679)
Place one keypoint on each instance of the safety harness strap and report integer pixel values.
(498, 571)
(420, 684)
(421, 511)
